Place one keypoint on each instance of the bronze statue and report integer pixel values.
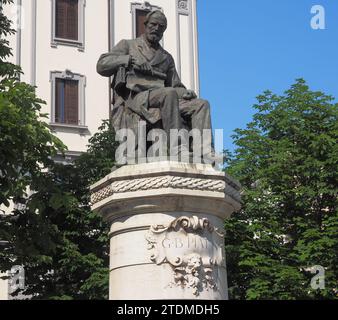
(146, 84)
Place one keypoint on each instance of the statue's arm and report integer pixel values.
(173, 79)
(110, 62)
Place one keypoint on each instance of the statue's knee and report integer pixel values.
(204, 104)
(171, 92)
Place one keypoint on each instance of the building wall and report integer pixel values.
(105, 23)
(3, 288)
(33, 51)
(64, 57)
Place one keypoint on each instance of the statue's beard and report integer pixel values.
(154, 38)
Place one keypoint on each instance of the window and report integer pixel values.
(68, 23)
(67, 101)
(140, 19)
(68, 109)
(66, 19)
(139, 13)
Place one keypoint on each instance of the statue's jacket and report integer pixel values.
(131, 88)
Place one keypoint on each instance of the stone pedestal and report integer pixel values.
(166, 235)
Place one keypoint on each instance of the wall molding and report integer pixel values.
(33, 57)
(18, 32)
(184, 8)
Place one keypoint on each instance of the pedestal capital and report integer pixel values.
(166, 187)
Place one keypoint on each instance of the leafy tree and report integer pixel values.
(62, 244)
(53, 233)
(26, 143)
(286, 160)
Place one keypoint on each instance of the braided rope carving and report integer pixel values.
(152, 183)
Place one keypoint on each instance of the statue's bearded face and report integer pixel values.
(155, 28)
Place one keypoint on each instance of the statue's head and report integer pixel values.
(155, 25)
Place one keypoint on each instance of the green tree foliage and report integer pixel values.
(7, 69)
(26, 144)
(52, 232)
(62, 244)
(286, 160)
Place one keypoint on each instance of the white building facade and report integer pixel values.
(58, 43)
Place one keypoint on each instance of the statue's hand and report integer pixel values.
(132, 61)
(189, 95)
(144, 67)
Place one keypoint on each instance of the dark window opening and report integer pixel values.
(140, 18)
(67, 101)
(66, 19)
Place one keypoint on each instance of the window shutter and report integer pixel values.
(59, 105)
(60, 18)
(72, 19)
(66, 19)
(71, 102)
(140, 18)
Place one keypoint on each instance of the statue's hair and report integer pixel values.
(157, 12)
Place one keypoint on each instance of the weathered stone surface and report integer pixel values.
(166, 235)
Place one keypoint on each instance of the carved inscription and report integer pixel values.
(193, 248)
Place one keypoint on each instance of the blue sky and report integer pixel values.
(248, 46)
